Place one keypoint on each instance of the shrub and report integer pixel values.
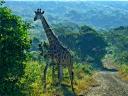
(14, 44)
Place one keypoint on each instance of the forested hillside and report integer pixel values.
(99, 14)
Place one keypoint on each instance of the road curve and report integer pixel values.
(109, 85)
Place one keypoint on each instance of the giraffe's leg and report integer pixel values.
(60, 73)
(71, 74)
(53, 74)
(44, 76)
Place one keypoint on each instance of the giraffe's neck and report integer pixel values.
(49, 33)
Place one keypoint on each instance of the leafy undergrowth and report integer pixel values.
(32, 84)
(123, 72)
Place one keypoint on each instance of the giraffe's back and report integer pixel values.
(61, 55)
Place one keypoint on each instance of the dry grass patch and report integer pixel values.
(123, 72)
(84, 85)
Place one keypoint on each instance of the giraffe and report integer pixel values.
(58, 53)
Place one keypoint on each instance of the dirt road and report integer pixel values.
(109, 85)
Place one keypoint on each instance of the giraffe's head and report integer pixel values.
(38, 14)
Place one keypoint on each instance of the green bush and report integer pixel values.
(14, 43)
(31, 81)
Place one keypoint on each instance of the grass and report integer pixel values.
(123, 72)
(32, 84)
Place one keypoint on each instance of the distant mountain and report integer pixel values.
(99, 14)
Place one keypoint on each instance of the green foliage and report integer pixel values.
(31, 81)
(32, 84)
(14, 43)
(85, 68)
(118, 46)
(108, 15)
(88, 44)
(124, 68)
(65, 28)
(123, 71)
(35, 43)
(85, 29)
(123, 58)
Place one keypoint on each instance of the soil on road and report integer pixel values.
(109, 85)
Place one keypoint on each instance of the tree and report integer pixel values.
(88, 45)
(14, 44)
(117, 39)
(85, 29)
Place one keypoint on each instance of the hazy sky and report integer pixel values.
(66, 0)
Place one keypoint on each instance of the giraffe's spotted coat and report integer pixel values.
(56, 51)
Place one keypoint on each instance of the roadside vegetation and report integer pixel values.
(123, 72)
(117, 49)
(31, 82)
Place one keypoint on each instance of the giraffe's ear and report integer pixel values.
(42, 12)
(35, 12)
